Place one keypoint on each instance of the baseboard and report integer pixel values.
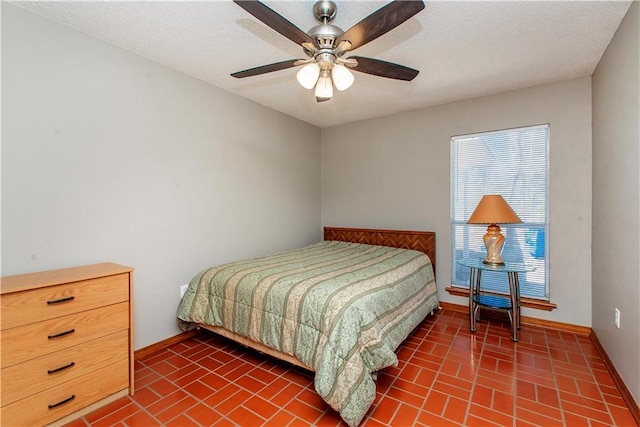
(617, 379)
(161, 345)
(526, 320)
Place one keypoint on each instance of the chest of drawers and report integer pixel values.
(66, 341)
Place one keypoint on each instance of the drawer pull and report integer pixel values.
(61, 368)
(62, 402)
(61, 334)
(59, 300)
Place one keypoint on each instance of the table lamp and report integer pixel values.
(493, 209)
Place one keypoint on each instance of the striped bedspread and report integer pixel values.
(341, 308)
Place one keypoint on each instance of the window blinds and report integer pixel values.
(515, 164)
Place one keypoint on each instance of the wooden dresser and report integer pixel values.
(67, 341)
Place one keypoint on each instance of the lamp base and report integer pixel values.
(494, 242)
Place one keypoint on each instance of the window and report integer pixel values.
(513, 163)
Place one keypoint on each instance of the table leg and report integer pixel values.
(477, 294)
(517, 285)
(515, 304)
(472, 311)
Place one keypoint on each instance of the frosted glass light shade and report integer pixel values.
(342, 77)
(308, 75)
(324, 87)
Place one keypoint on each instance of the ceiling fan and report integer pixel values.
(325, 45)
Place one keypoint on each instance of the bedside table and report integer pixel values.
(508, 303)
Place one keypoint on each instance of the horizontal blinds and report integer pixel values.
(513, 163)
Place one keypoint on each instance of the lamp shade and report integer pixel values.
(324, 87)
(493, 209)
(308, 75)
(342, 77)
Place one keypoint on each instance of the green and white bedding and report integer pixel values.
(341, 308)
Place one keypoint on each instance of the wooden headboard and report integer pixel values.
(423, 241)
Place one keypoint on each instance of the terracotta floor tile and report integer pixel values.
(286, 394)
(446, 388)
(141, 419)
(490, 415)
(311, 398)
(574, 420)
(406, 396)
(526, 390)
(167, 401)
(261, 406)
(281, 418)
(163, 368)
(233, 401)
(175, 410)
(178, 361)
(385, 410)
(503, 403)
(241, 416)
(409, 372)
(163, 387)
(147, 379)
(303, 411)
(615, 400)
(182, 421)
(262, 375)
(117, 416)
(203, 414)
(547, 395)
(429, 419)
(198, 390)
(524, 415)
(621, 416)
(80, 422)
(586, 411)
(221, 395)
(250, 384)
(405, 416)
(332, 419)
(145, 397)
(446, 376)
(456, 410)
(482, 396)
(436, 402)
(108, 409)
(542, 410)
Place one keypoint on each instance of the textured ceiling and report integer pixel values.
(463, 49)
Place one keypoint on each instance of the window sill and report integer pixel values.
(524, 302)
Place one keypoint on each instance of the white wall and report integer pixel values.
(107, 156)
(616, 199)
(393, 172)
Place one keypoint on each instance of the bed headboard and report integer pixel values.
(423, 241)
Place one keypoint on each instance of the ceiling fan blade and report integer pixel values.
(380, 22)
(275, 21)
(384, 68)
(277, 66)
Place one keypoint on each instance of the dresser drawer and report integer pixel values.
(63, 399)
(31, 341)
(35, 305)
(24, 379)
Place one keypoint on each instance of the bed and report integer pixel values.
(339, 308)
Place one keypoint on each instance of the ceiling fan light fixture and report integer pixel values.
(308, 75)
(342, 77)
(324, 87)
